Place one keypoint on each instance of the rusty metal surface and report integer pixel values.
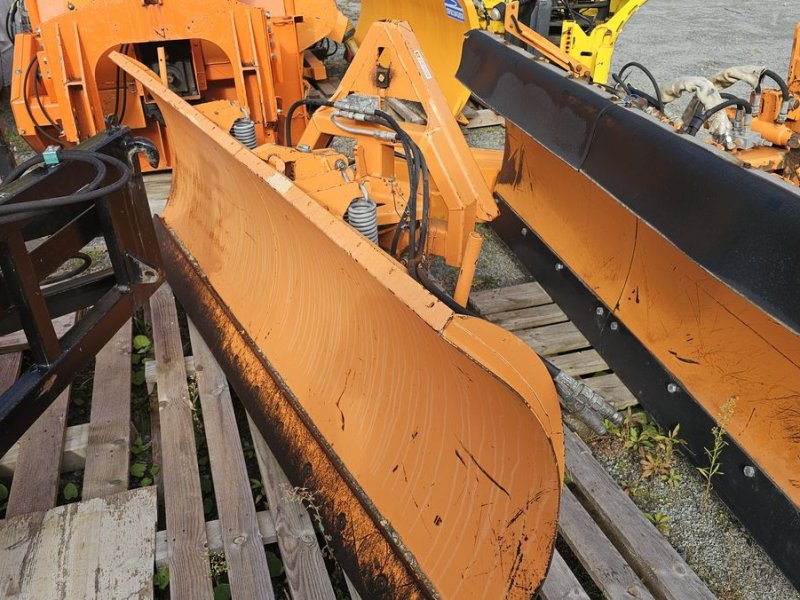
(433, 442)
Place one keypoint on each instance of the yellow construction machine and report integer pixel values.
(585, 30)
(675, 256)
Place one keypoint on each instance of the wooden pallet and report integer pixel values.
(531, 314)
(101, 449)
(617, 548)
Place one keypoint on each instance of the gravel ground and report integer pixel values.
(673, 38)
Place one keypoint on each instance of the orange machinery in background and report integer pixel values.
(65, 89)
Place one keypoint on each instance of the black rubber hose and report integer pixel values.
(86, 262)
(412, 162)
(422, 168)
(743, 104)
(767, 73)
(440, 294)
(419, 167)
(63, 155)
(75, 198)
(658, 101)
(698, 122)
(26, 102)
(36, 76)
(293, 108)
(10, 21)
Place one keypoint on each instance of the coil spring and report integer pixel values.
(362, 214)
(244, 130)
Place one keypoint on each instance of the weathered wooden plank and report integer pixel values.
(183, 501)
(38, 469)
(604, 564)
(485, 117)
(244, 552)
(101, 548)
(9, 370)
(302, 557)
(151, 369)
(584, 362)
(266, 528)
(17, 341)
(561, 583)
(655, 561)
(525, 318)
(109, 427)
(554, 339)
(405, 112)
(76, 443)
(612, 389)
(488, 302)
(158, 187)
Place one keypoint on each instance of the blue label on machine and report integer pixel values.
(454, 10)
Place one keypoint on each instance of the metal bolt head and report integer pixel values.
(749, 471)
(524, 231)
(614, 326)
(559, 267)
(672, 388)
(600, 311)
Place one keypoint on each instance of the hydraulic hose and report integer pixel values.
(293, 108)
(769, 74)
(656, 101)
(698, 121)
(67, 155)
(26, 102)
(86, 262)
(22, 210)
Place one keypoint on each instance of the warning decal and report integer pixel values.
(454, 10)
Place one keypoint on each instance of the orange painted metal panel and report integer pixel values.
(720, 347)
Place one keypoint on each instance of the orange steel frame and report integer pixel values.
(414, 424)
(461, 180)
(247, 52)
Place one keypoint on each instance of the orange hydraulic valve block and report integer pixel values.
(65, 87)
(431, 440)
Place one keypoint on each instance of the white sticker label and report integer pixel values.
(423, 66)
(454, 10)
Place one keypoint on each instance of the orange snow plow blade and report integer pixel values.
(431, 442)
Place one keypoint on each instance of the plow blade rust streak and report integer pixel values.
(680, 267)
(432, 442)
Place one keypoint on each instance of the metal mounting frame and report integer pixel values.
(107, 299)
